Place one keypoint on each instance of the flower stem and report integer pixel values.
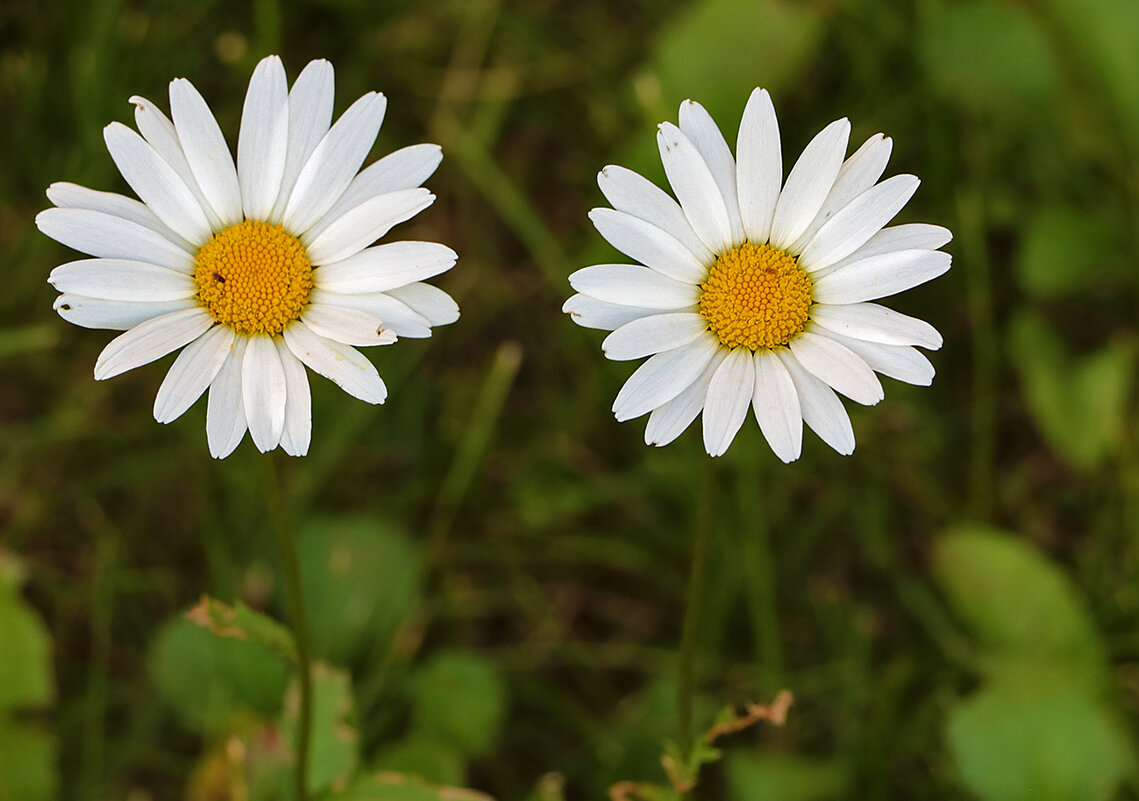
(279, 513)
(693, 611)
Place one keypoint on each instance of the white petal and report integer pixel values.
(334, 162)
(206, 151)
(156, 183)
(662, 378)
(631, 285)
(838, 367)
(695, 188)
(649, 245)
(759, 166)
(654, 334)
(72, 196)
(159, 132)
(880, 276)
(365, 224)
(310, 113)
(857, 174)
(429, 301)
(850, 228)
(111, 237)
(776, 406)
(896, 361)
(404, 169)
(911, 236)
(729, 396)
(151, 340)
(119, 279)
(116, 315)
(636, 195)
(822, 410)
(342, 364)
(592, 313)
(263, 141)
(669, 421)
(873, 323)
(385, 267)
(297, 433)
(263, 391)
(393, 313)
(192, 372)
(698, 125)
(225, 409)
(347, 325)
(809, 183)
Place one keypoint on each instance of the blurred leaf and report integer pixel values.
(1015, 600)
(987, 56)
(717, 51)
(760, 777)
(461, 699)
(210, 681)
(27, 754)
(1034, 734)
(243, 623)
(360, 577)
(1079, 404)
(27, 763)
(394, 787)
(333, 744)
(427, 758)
(1106, 34)
(1066, 250)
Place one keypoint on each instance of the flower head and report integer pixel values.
(752, 292)
(255, 268)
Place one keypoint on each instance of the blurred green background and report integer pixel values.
(495, 568)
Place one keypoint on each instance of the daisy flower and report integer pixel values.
(755, 292)
(255, 269)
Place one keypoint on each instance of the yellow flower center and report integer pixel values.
(755, 296)
(254, 277)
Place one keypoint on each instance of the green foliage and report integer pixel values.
(27, 753)
(398, 788)
(759, 777)
(241, 622)
(430, 759)
(214, 683)
(1080, 402)
(333, 747)
(360, 577)
(1067, 250)
(964, 45)
(1040, 726)
(460, 699)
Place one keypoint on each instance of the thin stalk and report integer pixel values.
(756, 551)
(697, 579)
(280, 514)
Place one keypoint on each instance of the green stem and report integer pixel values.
(696, 581)
(286, 538)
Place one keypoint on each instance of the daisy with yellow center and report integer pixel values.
(257, 268)
(753, 293)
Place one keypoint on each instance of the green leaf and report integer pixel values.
(25, 669)
(394, 787)
(427, 758)
(1016, 601)
(762, 777)
(1034, 734)
(334, 739)
(987, 56)
(716, 51)
(243, 623)
(460, 698)
(27, 763)
(360, 577)
(1067, 250)
(211, 682)
(1079, 404)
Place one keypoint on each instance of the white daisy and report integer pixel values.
(749, 294)
(254, 268)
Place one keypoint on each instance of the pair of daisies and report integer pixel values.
(748, 293)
